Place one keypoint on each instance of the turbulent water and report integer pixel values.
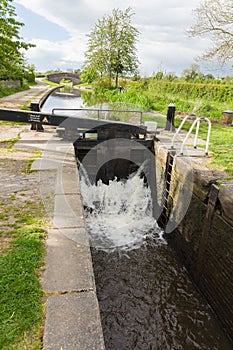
(146, 298)
(119, 214)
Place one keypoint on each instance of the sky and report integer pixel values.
(60, 31)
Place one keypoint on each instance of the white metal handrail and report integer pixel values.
(197, 122)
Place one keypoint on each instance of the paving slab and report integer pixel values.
(73, 323)
(46, 164)
(68, 211)
(67, 181)
(72, 311)
(68, 261)
(12, 132)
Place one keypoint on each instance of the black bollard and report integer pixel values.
(170, 117)
(34, 125)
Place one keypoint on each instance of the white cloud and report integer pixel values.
(56, 55)
(162, 25)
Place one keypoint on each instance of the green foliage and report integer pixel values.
(29, 74)
(6, 92)
(89, 75)
(212, 92)
(112, 46)
(48, 82)
(20, 292)
(154, 94)
(12, 62)
(21, 311)
(10, 142)
(191, 73)
(221, 141)
(40, 75)
(22, 234)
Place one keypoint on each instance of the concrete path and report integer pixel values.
(72, 319)
(16, 101)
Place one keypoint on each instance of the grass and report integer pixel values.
(35, 155)
(152, 100)
(46, 81)
(22, 255)
(9, 143)
(221, 141)
(7, 92)
(221, 145)
(22, 250)
(20, 291)
(160, 120)
(205, 99)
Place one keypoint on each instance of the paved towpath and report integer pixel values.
(72, 319)
(17, 100)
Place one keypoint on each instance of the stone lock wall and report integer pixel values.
(200, 229)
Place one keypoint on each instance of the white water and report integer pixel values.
(119, 215)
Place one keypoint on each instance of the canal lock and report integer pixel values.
(146, 297)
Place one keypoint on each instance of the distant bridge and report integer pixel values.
(57, 77)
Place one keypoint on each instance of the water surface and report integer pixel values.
(147, 301)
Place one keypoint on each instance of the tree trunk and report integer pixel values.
(116, 82)
(110, 79)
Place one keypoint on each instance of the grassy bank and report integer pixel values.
(22, 234)
(221, 141)
(48, 82)
(221, 145)
(7, 92)
(208, 100)
(203, 99)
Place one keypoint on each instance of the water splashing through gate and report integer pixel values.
(119, 215)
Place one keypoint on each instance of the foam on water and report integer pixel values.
(119, 215)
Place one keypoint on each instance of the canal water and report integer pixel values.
(62, 99)
(146, 299)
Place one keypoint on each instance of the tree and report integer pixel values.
(215, 18)
(171, 76)
(89, 75)
(29, 73)
(12, 63)
(112, 46)
(159, 75)
(191, 73)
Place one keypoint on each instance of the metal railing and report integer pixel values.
(99, 112)
(196, 122)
